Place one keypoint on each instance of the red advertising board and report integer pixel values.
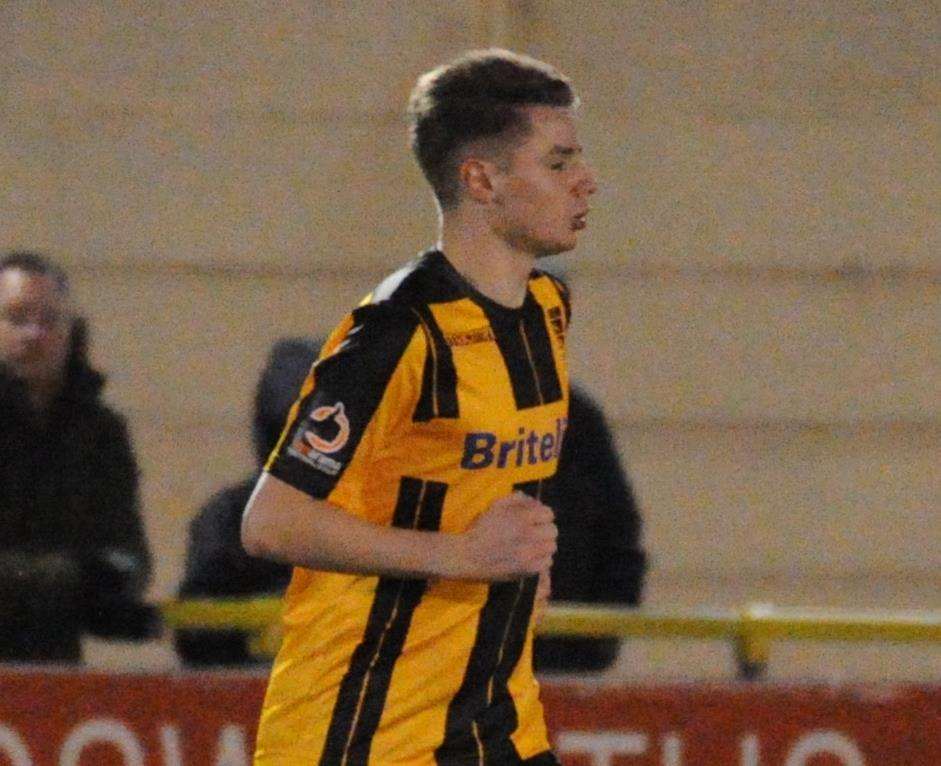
(208, 719)
(98, 719)
(745, 725)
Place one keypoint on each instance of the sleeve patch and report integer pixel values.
(322, 433)
(346, 389)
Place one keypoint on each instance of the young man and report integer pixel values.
(406, 485)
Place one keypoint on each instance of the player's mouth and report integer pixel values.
(580, 221)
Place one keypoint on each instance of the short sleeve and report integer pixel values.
(353, 389)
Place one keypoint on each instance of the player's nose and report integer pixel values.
(587, 184)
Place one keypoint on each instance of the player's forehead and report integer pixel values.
(552, 131)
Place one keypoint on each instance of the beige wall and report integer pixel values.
(757, 297)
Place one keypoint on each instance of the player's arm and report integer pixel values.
(514, 538)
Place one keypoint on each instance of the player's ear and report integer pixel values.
(476, 179)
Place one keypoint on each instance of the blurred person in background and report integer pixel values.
(599, 559)
(216, 563)
(73, 557)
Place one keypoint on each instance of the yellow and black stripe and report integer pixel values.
(527, 353)
(363, 691)
(439, 377)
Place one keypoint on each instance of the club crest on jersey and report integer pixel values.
(324, 432)
(340, 429)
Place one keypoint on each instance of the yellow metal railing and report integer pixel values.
(752, 629)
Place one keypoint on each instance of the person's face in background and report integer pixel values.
(35, 325)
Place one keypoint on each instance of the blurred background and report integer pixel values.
(757, 298)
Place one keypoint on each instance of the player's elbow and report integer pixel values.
(255, 533)
(253, 544)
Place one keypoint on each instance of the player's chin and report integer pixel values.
(559, 246)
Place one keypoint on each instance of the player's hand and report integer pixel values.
(514, 537)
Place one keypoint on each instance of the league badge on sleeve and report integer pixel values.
(324, 432)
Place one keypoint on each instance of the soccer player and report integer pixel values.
(406, 484)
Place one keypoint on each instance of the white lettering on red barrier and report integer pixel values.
(672, 750)
(750, 751)
(101, 730)
(824, 743)
(170, 744)
(233, 747)
(604, 746)
(13, 747)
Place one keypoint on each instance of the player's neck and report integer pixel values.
(494, 268)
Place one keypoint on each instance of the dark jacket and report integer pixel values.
(216, 563)
(73, 557)
(599, 558)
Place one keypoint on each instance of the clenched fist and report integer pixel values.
(513, 538)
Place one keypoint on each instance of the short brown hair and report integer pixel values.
(477, 96)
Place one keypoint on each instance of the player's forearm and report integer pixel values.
(284, 524)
